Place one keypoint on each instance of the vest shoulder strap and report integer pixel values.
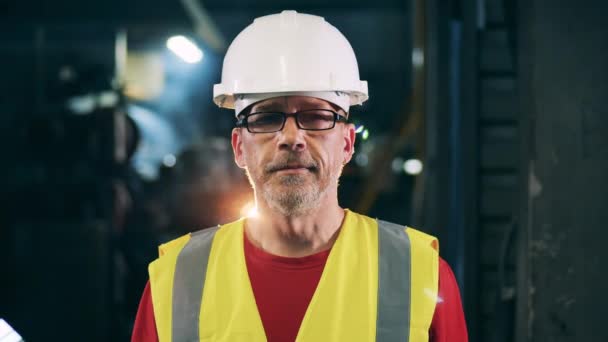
(424, 238)
(407, 282)
(394, 277)
(166, 274)
(175, 244)
(188, 285)
(424, 282)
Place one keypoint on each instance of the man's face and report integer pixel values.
(294, 170)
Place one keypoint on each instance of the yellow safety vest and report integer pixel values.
(380, 283)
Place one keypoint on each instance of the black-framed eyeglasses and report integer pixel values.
(310, 120)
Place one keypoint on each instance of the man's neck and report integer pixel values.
(295, 236)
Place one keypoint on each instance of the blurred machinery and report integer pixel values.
(65, 198)
(79, 223)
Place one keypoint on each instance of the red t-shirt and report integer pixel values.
(284, 286)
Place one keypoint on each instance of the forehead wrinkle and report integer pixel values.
(287, 104)
(272, 104)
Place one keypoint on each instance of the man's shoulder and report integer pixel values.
(178, 243)
(172, 245)
(413, 233)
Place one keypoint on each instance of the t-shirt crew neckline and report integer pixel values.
(261, 256)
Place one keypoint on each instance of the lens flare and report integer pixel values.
(249, 210)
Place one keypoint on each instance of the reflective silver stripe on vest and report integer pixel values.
(393, 320)
(188, 284)
(394, 258)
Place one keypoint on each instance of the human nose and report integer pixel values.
(291, 137)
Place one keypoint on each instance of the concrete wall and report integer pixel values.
(563, 75)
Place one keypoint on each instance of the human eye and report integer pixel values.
(316, 119)
(263, 121)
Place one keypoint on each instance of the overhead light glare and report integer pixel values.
(185, 49)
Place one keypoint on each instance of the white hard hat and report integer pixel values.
(289, 53)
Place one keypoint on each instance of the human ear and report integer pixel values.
(349, 142)
(237, 147)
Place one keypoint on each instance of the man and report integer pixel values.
(303, 268)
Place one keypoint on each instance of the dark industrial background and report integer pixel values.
(112, 145)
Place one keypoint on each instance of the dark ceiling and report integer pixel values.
(36, 35)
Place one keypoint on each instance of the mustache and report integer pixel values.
(290, 159)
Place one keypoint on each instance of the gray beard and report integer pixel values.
(299, 199)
